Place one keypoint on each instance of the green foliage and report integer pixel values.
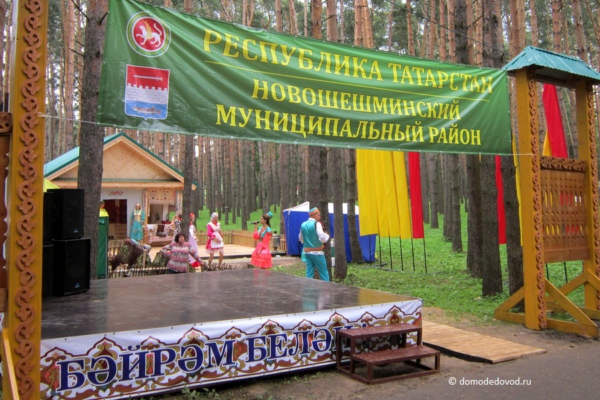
(203, 217)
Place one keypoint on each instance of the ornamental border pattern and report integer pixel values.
(562, 164)
(25, 311)
(591, 117)
(537, 201)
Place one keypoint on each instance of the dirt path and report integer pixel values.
(568, 370)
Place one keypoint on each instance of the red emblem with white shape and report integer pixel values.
(149, 34)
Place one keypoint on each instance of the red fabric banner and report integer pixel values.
(501, 211)
(416, 198)
(556, 133)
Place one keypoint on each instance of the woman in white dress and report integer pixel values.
(192, 241)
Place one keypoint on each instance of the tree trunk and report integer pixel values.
(316, 22)
(248, 183)
(69, 70)
(556, 25)
(323, 182)
(201, 188)
(456, 232)
(535, 41)
(208, 167)
(279, 16)
(89, 173)
(492, 269)
(351, 198)
(474, 222)
(188, 176)
(284, 172)
(514, 250)
(341, 264)
(454, 163)
(335, 169)
(432, 174)
(447, 190)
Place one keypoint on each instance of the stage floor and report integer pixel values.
(113, 305)
(138, 336)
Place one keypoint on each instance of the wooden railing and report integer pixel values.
(114, 246)
(240, 238)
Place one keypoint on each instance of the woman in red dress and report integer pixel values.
(261, 257)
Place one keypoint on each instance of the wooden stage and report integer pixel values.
(148, 335)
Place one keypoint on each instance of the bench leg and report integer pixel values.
(369, 372)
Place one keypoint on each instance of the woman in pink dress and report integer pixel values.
(179, 252)
(261, 257)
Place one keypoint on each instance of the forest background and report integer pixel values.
(238, 177)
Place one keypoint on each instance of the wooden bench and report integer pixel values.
(410, 354)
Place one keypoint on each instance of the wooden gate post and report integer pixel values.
(531, 204)
(25, 196)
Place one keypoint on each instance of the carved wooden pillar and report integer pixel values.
(5, 132)
(531, 203)
(25, 196)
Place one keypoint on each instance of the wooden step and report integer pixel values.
(396, 355)
(379, 331)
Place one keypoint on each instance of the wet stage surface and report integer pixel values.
(127, 304)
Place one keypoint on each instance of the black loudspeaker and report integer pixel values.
(71, 266)
(49, 217)
(67, 215)
(47, 270)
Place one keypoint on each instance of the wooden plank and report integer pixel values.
(474, 346)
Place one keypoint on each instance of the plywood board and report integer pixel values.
(474, 346)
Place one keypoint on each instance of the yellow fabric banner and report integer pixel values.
(383, 193)
(546, 150)
(403, 203)
(367, 201)
(384, 190)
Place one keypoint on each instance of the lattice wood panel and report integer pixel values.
(563, 210)
(127, 164)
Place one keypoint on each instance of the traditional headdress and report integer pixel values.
(313, 211)
(269, 215)
(214, 215)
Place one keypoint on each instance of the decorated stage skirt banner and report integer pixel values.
(167, 71)
(150, 361)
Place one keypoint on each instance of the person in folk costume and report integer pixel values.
(215, 241)
(261, 257)
(192, 241)
(313, 237)
(179, 252)
(138, 216)
(176, 224)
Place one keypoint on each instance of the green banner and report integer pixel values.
(167, 71)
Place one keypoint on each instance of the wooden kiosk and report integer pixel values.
(559, 199)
